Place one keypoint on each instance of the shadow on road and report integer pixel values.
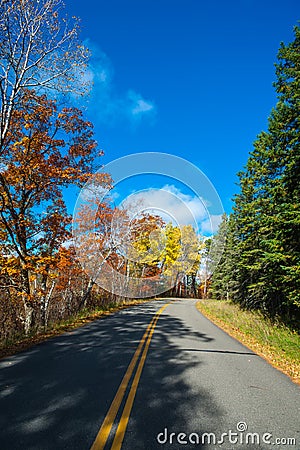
(56, 395)
(168, 401)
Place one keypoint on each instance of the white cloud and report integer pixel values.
(211, 224)
(106, 103)
(191, 202)
(170, 203)
(174, 206)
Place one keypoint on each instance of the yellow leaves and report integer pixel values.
(25, 296)
(10, 270)
(68, 173)
(182, 252)
(22, 143)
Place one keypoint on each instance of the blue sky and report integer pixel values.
(191, 78)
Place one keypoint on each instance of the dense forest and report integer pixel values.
(260, 267)
(47, 146)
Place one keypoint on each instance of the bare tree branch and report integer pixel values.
(39, 48)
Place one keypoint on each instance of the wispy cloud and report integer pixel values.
(107, 104)
(211, 225)
(139, 105)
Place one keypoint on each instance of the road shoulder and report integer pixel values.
(265, 351)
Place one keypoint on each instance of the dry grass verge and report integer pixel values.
(77, 321)
(273, 341)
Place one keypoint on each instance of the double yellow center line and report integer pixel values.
(108, 422)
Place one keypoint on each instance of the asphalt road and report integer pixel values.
(188, 377)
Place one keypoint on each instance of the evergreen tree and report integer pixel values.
(224, 273)
(267, 209)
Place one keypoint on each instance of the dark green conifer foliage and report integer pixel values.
(265, 225)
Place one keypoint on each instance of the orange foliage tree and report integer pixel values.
(46, 150)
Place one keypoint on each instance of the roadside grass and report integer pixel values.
(275, 342)
(20, 343)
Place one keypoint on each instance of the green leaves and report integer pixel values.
(261, 264)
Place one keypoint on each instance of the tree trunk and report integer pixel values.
(29, 317)
(45, 300)
(194, 291)
(86, 296)
(28, 304)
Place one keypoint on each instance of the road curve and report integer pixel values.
(189, 385)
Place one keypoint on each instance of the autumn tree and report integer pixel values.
(40, 50)
(190, 258)
(99, 230)
(172, 250)
(46, 150)
(181, 258)
(145, 244)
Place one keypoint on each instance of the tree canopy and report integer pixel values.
(261, 265)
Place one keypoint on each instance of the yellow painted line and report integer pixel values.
(107, 424)
(120, 433)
